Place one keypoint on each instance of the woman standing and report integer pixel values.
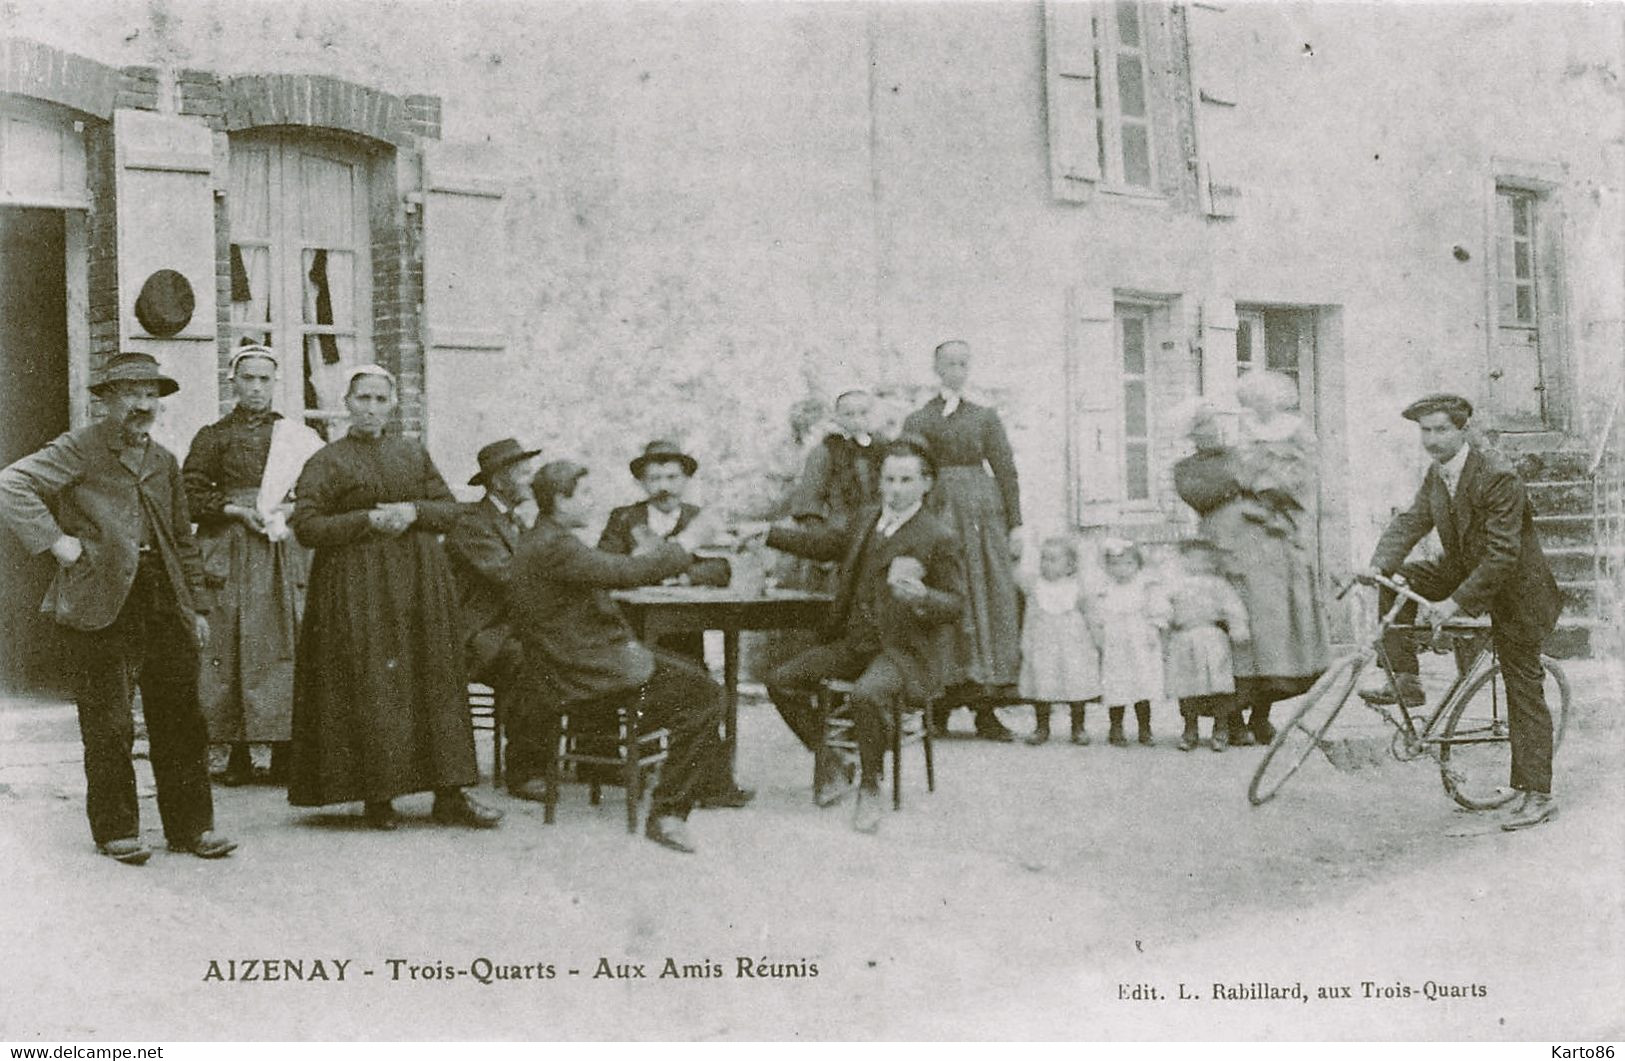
(380, 701)
(1256, 503)
(978, 494)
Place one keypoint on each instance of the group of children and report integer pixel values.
(1130, 641)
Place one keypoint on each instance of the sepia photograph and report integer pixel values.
(811, 520)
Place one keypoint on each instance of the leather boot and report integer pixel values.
(1408, 692)
(1191, 737)
(1142, 715)
(988, 726)
(1115, 735)
(1040, 734)
(1079, 734)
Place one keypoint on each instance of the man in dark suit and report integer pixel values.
(106, 501)
(481, 549)
(1492, 562)
(581, 654)
(664, 471)
(900, 587)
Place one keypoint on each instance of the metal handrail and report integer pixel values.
(1607, 432)
(1607, 516)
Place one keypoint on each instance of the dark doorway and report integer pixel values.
(33, 410)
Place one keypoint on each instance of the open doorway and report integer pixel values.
(34, 408)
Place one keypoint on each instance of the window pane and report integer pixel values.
(1520, 260)
(1136, 471)
(1520, 216)
(1281, 344)
(1128, 23)
(327, 359)
(250, 285)
(1507, 302)
(1134, 412)
(326, 202)
(1526, 304)
(1136, 156)
(329, 287)
(1244, 343)
(1130, 86)
(1134, 345)
(250, 192)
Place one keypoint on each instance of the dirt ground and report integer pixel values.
(1033, 896)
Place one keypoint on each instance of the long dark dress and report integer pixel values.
(977, 495)
(246, 681)
(380, 700)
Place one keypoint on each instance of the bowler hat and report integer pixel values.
(134, 368)
(1438, 403)
(557, 477)
(661, 451)
(497, 456)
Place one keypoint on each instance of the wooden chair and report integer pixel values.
(837, 738)
(487, 717)
(635, 754)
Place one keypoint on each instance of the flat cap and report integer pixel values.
(1453, 404)
(557, 477)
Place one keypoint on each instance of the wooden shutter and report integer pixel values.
(165, 195)
(1069, 74)
(1094, 407)
(1218, 341)
(1218, 48)
(465, 302)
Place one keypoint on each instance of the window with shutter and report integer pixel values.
(1218, 47)
(1100, 97)
(301, 263)
(164, 187)
(1094, 408)
(466, 300)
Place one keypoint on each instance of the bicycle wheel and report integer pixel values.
(1475, 747)
(1302, 733)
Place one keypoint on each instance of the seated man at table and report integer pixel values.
(581, 654)
(900, 587)
(664, 471)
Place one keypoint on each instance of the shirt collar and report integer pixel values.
(663, 523)
(950, 401)
(1450, 470)
(889, 522)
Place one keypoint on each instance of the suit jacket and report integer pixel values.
(617, 538)
(81, 484)
(1488, 534)
(839, 479)
(578, 645)
(917, 637)
(481, 548)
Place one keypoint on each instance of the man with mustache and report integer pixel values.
(106, 501)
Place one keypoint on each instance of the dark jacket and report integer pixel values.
(1490, 545)
(481, 548)
(617, 538)
(917, 637)
(81, 485)
(839, 480)
(577, 643)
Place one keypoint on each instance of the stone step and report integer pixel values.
(1559, 530)
(1551, 497)
(1572, 563)
(1557, 464)
(1577, 638)
(1579, 598)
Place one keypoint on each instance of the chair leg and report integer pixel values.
(930, 763)
(896, 754)
(550, 805)
(632, 772)
(821, 749)
(496, 744)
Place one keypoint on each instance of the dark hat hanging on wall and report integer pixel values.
(165, 304)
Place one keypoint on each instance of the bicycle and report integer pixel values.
(1468, 733)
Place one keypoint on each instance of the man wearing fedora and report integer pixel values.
(1492, 562)
(106, 501)
(664, 471)
(481, 548)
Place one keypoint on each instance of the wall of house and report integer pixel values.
(718, 210)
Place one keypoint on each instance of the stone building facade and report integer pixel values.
(592, 225)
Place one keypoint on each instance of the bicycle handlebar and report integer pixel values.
(1396, 583)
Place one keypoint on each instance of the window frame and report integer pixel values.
(285, 245)
(1147, 313)
(1109, 119)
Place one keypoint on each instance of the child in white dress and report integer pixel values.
(1130, 612)
(1060, 659)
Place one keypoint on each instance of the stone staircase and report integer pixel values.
(1561, 492)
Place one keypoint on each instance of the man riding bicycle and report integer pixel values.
(1492, 562)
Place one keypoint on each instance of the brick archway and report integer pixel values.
(313, 100)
